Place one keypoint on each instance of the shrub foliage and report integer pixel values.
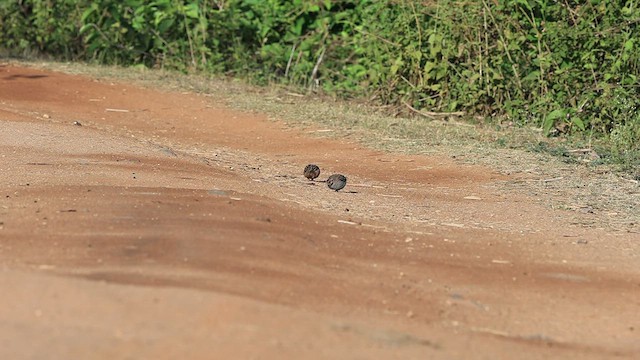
(569, 64)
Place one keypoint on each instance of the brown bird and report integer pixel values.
(336, 181)
(311, 171)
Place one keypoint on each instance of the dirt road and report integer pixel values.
(139, 223)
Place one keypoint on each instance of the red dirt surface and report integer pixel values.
(164, 226)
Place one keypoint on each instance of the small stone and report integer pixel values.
(496, 261)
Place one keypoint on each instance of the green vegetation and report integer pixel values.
(565, 66)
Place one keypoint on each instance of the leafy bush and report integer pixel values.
(160, 33)
(38, 27)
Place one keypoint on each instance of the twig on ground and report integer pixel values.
(553, 179)
(587, 150)
(431, 114)
(390, 196)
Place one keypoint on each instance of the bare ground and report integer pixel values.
(163, 225)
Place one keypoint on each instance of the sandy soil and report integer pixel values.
(137, 223)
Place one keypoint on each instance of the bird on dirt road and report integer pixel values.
(336, 181)
(311, 171)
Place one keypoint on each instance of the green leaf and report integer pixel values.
(396, 66)
(428, 66)
(532, 76)
(524, 3)
(550, 119)
(191, 10)
(297, 27)
(578, 122)
(628, 45)
(165, 25)
(84, 28)
(89, 12)
(547, 125)
(555, 114)
(441, 72)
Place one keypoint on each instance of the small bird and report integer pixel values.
(336, 181)
(311, 171)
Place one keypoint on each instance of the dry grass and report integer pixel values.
(597, 194)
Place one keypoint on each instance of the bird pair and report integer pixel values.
(334, 182)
